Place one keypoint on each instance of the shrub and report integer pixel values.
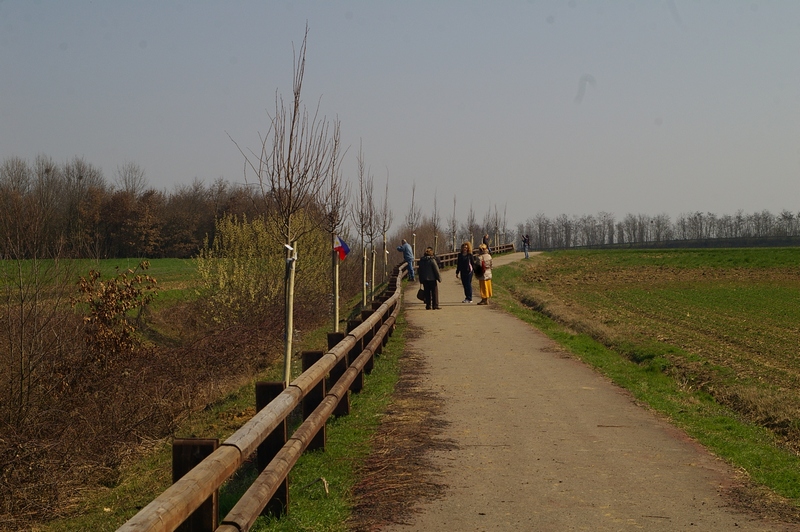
(110, 332)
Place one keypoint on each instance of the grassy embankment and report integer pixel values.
(311, 507)
(708, 338)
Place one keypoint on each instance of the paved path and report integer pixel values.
(545, 443)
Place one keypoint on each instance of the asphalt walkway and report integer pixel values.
(545, 443)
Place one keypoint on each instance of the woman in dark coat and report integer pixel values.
(429, 277)
(465, 271)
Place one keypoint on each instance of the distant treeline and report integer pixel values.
(71, 207)
(695, 229)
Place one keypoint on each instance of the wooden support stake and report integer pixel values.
(265, 393)
(186, 454)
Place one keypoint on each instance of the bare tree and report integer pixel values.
(472, 225)
(435, 224)
(661, 228)
(496, 226)
(385, 219)
(487, 225)
(84, 189)
(504, 225)
(36, 285)
(413, 216)
(365, 218)
(290, 169)
(131, 179)
(606, 229)
(336, 196)
(452, 224)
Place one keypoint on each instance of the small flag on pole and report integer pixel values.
(340, 247)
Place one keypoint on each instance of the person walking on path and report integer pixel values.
(429, 277)
(526, 244)
(485, 279)
(408, 256)
(464, 269)
(486, 242)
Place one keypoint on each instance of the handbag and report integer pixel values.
(477, 265)
(421, 294)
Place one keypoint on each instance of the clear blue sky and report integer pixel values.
(572, 106)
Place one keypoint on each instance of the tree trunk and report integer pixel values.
(364, 277)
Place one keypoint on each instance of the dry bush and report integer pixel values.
(91, 407)
(80, 441)
(105, 411)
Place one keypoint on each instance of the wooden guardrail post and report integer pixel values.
(367, 339)
(274, 442)
(376, 330)
(313, 399)
(343, 408)
(388, 334)
(358, 383)
(186, 454)
(334, 338)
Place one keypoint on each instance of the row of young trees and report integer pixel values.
(604, 229)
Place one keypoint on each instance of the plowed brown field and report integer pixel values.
(723, 321)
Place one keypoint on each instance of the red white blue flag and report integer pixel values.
(340, 247)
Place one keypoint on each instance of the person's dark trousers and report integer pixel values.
(431, 294)
(466, 280)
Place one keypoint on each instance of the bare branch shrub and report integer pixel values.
(109, 332)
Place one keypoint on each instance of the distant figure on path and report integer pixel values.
(464, 268)
(430, 278)
(408, 256)
(485, 280)
(486, 242)
(526, 244)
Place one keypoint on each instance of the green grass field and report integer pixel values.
(177, 278)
